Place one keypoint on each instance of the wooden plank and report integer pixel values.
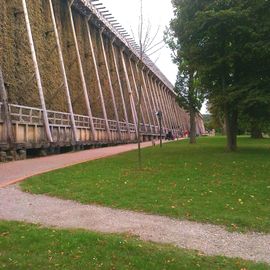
(37, 73)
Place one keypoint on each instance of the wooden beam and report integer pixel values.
(148, 93)
(164, 106)
(136, 90)
(110, 85)
(152, 99)
(168, 97)
(161, 108)
(121, 89)
(167, 107)
(132, 104)
(37, 73)
(146, 104)
(84, 86)
(165, 115)
(98, 79)
(5, 111)
(177, 116)
(150, 82)
(64, 74)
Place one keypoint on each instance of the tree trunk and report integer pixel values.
(231, 117)
(192, 133)
(256, 132)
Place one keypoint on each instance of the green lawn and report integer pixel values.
(31, 247)
(202, 182)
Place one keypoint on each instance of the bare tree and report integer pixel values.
(147, 47)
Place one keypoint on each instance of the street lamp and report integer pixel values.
(159, 115)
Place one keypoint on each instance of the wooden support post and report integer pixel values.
(165, 120)
(64, 74)
(37, 73)
(5, 111)
(165, 105)
(110, 85)
(176, 116)
(132, 104)
(143, 89)
(170, 104)
(136, 90)
(121, 89)
(159, 107)
(176, 124)
(152, 95)
(147, 93)
(84, 86)
(168, 107)
(98, 79)
(148, 105)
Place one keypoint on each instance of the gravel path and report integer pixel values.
(208, 239)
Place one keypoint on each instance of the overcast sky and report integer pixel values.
(158, 13)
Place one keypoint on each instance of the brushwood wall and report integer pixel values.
(103, 76)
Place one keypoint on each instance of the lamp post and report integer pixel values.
(159, 115)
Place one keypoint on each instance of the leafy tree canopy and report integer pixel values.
(227, 43)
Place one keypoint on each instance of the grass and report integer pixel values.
(26, 247)
(201, 183)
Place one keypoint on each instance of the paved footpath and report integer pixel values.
(13, 172)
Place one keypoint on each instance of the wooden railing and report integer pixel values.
(30, 115)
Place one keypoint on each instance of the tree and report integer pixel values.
(187, 86)
(147, 45)
(255, 105)
(221, 40)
